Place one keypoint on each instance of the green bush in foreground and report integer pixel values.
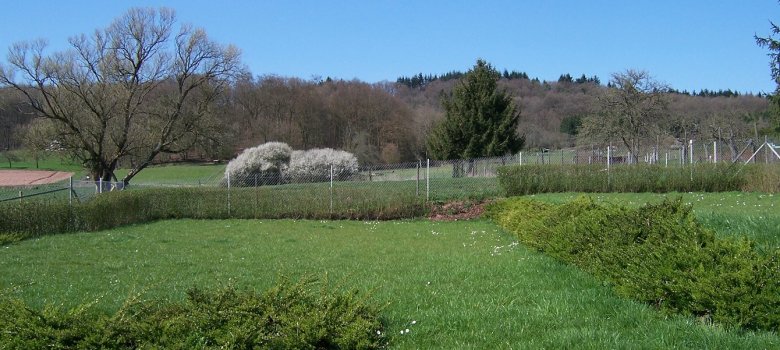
(658, 254)
(288, 316)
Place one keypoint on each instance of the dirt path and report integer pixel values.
(31, 177)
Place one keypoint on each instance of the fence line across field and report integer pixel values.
(428, 179)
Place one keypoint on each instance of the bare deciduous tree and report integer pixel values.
(632, 112)
(133, 90)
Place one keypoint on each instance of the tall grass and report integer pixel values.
(530, 179)
(36, 218)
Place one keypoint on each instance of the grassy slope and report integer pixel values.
(453, 285)
(752, 215)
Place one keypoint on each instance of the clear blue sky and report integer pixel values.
(686, 44)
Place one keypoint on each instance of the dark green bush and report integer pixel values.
(529, 179)
(288, 316)
(657, 254)
(36, 218)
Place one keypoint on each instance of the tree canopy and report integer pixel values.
(133, 90)
(480, 119)
(631, 112)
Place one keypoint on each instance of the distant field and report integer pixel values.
(50, 162)
(453, 285)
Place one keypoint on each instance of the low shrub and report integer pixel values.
(529, 179)
(761, 178)
(657, 254)
(36, 218)
(288, 316)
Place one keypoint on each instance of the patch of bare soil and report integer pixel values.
(31, 177)
(457, 210)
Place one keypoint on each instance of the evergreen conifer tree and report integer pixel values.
(480, 119)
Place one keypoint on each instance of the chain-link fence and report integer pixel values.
(426, 180)
(69, 189)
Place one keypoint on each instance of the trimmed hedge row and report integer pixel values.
(657, 254)
(519, 180)
(288, 316)
(35, 218)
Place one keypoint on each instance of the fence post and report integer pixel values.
(521, 158)
(70, 191)
(20, 197)
(715, 152)
(331, 188)
(766, 152)
(228, 194)
(690, 143)
(100, 185)
(419, 165)
(428, 180)
(609, 160)
(666, 159)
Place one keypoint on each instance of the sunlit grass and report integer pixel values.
(452, 285)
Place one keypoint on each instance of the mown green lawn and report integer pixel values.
(453, 285)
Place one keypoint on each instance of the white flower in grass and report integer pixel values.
(414, 322)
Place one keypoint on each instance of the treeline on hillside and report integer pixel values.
(389, 122)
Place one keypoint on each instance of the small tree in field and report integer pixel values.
(261, 165)
(315, 165)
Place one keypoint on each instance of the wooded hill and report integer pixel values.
(389, 122)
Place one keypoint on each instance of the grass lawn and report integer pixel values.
(49, 162)
(453, 285)
(747, 214)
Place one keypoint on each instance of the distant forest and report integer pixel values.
(388, 122)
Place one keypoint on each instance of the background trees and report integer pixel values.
(480, 120)
(133, 90)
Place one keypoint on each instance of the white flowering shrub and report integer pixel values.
(260, 165)
(314, 165)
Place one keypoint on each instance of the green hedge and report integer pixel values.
(288, 316)
(530, 179)
(657, 254)
(36, 218)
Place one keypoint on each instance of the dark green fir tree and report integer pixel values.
(480, 119)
